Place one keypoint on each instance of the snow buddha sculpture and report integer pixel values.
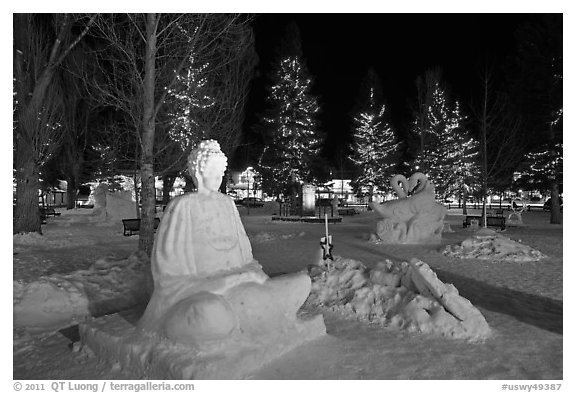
(413, 218)
(208, 288)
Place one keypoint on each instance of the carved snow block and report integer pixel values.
(116, 340)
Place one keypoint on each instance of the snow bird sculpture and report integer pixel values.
(413, 218)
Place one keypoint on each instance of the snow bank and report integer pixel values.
(56, 301)
(493, 247)
(262, 237)
(61, 241)
(406, 296)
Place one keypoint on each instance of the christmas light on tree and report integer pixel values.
(188, 98)
(450, 155)
(542, 166)
(375, 146)
(291, 125)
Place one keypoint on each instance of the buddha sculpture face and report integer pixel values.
(212, 177)
(207, 165)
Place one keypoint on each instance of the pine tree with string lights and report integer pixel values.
(375, 148)
(464, 154)
(545, 164)
(291, 126)
(450, 155)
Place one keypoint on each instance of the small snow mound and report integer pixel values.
(31, 238)
(56, 301)
(405, 296)
(262, 237)
(493, 247)
(36, 239)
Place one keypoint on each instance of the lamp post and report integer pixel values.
(248, 191)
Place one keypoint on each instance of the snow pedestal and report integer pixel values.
(116, 339)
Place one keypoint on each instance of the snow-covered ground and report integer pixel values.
(522, 302)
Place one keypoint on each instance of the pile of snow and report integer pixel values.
(56, 301)
(61, 241)
(493, 247)
(407, 296)
(262, 237)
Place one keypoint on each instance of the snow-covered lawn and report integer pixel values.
(521, 301)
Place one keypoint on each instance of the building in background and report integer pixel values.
(247, 183)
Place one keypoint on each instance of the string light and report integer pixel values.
(292, 125)
(450, 157)
(375, 146)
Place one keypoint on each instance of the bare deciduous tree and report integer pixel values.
(501, 145)
(425, 88)
(41, 43)
(140, 57)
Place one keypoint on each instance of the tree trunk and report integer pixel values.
(27, 214)
(555, 213)
(148, 192)
(167, 185)
(189, 186)
(136, 192)
(71, 192)
(148, 212)
(72, 189)
(464, 197)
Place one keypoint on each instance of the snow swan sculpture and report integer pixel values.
(413, 218)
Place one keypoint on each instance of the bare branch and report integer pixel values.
(76, 41)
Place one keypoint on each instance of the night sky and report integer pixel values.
(340, 48)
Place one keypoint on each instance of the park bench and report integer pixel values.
(347, 211)
(49, 211)
(491, 221)
(132, 225)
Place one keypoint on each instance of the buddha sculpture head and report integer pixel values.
(207, 164)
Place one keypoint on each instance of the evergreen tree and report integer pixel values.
(536, 75)
(465, 157)
(540, 166)
(450, 155)
(291, 126)
(376, 147)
